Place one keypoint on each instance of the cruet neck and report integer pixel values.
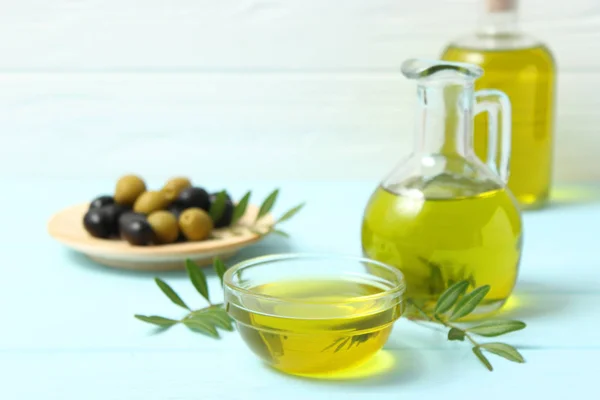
(445, 93)
(498, 17)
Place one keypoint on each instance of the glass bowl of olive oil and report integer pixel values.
(314, 314)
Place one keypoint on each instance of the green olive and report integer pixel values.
(165, 227)
(195, 224)
(149, 202)
(174, 186)
(128, 189)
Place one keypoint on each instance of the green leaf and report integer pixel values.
(281, 233)
(468, 302)
(437, 285)
(218, 206)
(218, 317)
(156, 320)
(170, 293)
(268, 204)
(450, 296)
(240, 208)
(413, 306)
(219, 268)
(290, 213)
(198, 278)
(456, 334)
(482, 358)
(504, 350)
(201, 326)
(496, 328)
(341, 345)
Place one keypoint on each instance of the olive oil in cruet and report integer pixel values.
(443, 215)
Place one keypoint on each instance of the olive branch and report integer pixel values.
(218, 208)
(453, 304)
(205, 320)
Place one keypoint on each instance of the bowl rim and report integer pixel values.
(397, 291)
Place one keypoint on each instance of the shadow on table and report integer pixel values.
(572, 195)
(533, 300)
(390, 367)
(269, 245)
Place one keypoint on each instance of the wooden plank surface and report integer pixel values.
(91, 88)
(275, 125)
(274, 34)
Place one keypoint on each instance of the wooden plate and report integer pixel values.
(66, 226)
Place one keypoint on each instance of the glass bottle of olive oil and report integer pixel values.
(443, 215)
(524, 69)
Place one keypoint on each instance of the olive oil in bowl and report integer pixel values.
(316, 324)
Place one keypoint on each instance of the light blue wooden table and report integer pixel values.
(68, 330)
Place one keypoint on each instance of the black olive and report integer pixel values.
(181, 238)
(137, 232)
(97, 223)
(193, 197)
(176, 210)
(226, 216)
(113, 213)
(127, 216)
(101, 201)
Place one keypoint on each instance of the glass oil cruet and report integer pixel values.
(444, 215)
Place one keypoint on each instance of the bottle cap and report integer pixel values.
(501, 5)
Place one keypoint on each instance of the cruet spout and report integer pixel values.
(417, 68)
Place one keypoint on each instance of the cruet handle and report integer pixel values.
(496, 102)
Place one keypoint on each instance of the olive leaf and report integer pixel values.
(218, 206)
(482, 358)
(215, 316)
(290, 213)
(504, 350)
(202, 326)
(206, 320)
(170, 293)
(436, 278)
(456, 334)
(268, 204)
(156, 320)
(219, 268)
(342, 341)
(449, 297)
(496, 328)
(197, 278)
(240, 208)
(464, 306)
(342, 344)
(281, 233)
(469, 302)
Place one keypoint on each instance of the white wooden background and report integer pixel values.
(267, 89)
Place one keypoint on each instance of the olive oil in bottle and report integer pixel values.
(464, 232)
(334, 334)
(524, 69)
